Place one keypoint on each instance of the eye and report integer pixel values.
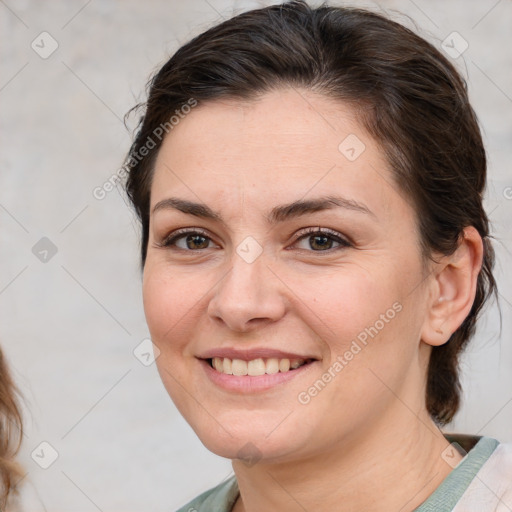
(193, 240)
(322, 239)
(319, 239)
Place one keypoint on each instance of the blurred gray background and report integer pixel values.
(70, 286)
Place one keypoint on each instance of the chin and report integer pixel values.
(249, 442)
(248, 450)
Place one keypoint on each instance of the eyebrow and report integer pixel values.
(277, 214)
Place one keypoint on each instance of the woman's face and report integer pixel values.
(251, 282)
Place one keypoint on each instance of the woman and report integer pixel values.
(10, 437)
(315, 256)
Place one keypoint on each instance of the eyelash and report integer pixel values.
(171, 239)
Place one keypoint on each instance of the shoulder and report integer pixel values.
(480, 482)
(491, 488)
(218, 499)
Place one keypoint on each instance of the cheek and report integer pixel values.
(368, 322)
(169, 304)
(348, 302)
(157, 303)
(368, 327)
(169, 309)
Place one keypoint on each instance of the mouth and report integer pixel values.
(256, 367)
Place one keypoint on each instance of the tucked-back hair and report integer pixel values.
(406, 94)
(10, 434)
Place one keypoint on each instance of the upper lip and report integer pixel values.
(250, 354)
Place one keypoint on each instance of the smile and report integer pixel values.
(255, 367)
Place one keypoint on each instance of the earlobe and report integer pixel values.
(454, 287)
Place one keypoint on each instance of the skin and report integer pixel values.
(243, 159)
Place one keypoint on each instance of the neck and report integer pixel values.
(381, 470)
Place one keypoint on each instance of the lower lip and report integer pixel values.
(250, 384)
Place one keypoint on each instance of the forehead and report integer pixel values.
(285, 145)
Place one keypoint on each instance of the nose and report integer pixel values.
(248, 296)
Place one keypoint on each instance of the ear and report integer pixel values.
(453, 289)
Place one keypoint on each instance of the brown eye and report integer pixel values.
(196, 241)
(322, 240)
(187, 240)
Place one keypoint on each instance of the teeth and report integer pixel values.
(226, 366)
(255, 367)
(284, 365)
(272, 366)
(238, 366)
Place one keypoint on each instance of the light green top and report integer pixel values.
(223, 497)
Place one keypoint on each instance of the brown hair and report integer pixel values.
(408, 95)
(10, 433)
